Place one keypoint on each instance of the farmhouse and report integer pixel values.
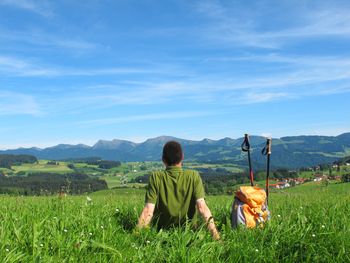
(320, 177)
(299, 180)
(280, 185)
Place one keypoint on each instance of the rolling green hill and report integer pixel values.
(288, 152)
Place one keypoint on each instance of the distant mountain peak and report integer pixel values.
(114, 144)
(31, 148)
(162, 139)
(68, 146)
(207, 141)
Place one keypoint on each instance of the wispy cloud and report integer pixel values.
(235, 25)
(294, 75)
(19, 67)
(30, 68)
(41, 7)
(37, 38)
(299, 60)
(278, 87)
(14, 103)
(147, 117)
(251, 98)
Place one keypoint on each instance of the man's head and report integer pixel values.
(172, 153)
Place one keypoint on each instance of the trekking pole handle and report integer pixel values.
(267, 149)
(245, 145)
(268, 144)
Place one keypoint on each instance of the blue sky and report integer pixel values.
(79, 71)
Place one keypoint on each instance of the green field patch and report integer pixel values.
(5, 170)
(42, 166)
(112, 181)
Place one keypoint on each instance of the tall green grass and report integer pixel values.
(309, 223)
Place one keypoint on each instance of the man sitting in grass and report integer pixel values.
(173, 194)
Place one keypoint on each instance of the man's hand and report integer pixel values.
(146, 215)
(207, 216)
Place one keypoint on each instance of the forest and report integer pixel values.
(49, 183)
(7, 160)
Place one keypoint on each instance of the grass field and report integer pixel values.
(310, 223)
(42, 167)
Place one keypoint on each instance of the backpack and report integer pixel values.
(249, 207)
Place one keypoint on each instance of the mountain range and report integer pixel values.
(287, 152)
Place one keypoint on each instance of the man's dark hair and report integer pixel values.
(172, 153)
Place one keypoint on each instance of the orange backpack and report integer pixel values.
(249, 207)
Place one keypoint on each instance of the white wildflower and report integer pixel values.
(313, 235)
(256, 250)
(88, 199)
(148, 241)
(90, 234)
(102, 227)
(65, 230)
(41, 245)
(117, 210)
(7, 250)
(278, 215)
(323, 226)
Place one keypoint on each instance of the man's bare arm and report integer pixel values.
(207, 216)
(146, 215)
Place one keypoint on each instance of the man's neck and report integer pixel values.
(175, 165)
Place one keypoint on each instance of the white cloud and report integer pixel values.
(18, 67)
(234, 25)
(266, 135)
(40, 7)
(40, 39)
(147, 117)
(282, 86)
(14, 103)
(27, 68)
(255, 97)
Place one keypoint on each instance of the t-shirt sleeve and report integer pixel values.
(152, 192)
(198, 187)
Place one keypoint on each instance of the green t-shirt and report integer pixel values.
(174, 192)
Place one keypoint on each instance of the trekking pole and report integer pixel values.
(267, 151)
(246, 148)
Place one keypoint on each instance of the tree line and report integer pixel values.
(220, 180)
(8, 160)
(49, 183)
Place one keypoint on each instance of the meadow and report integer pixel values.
(309, 223)
(41, 166)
